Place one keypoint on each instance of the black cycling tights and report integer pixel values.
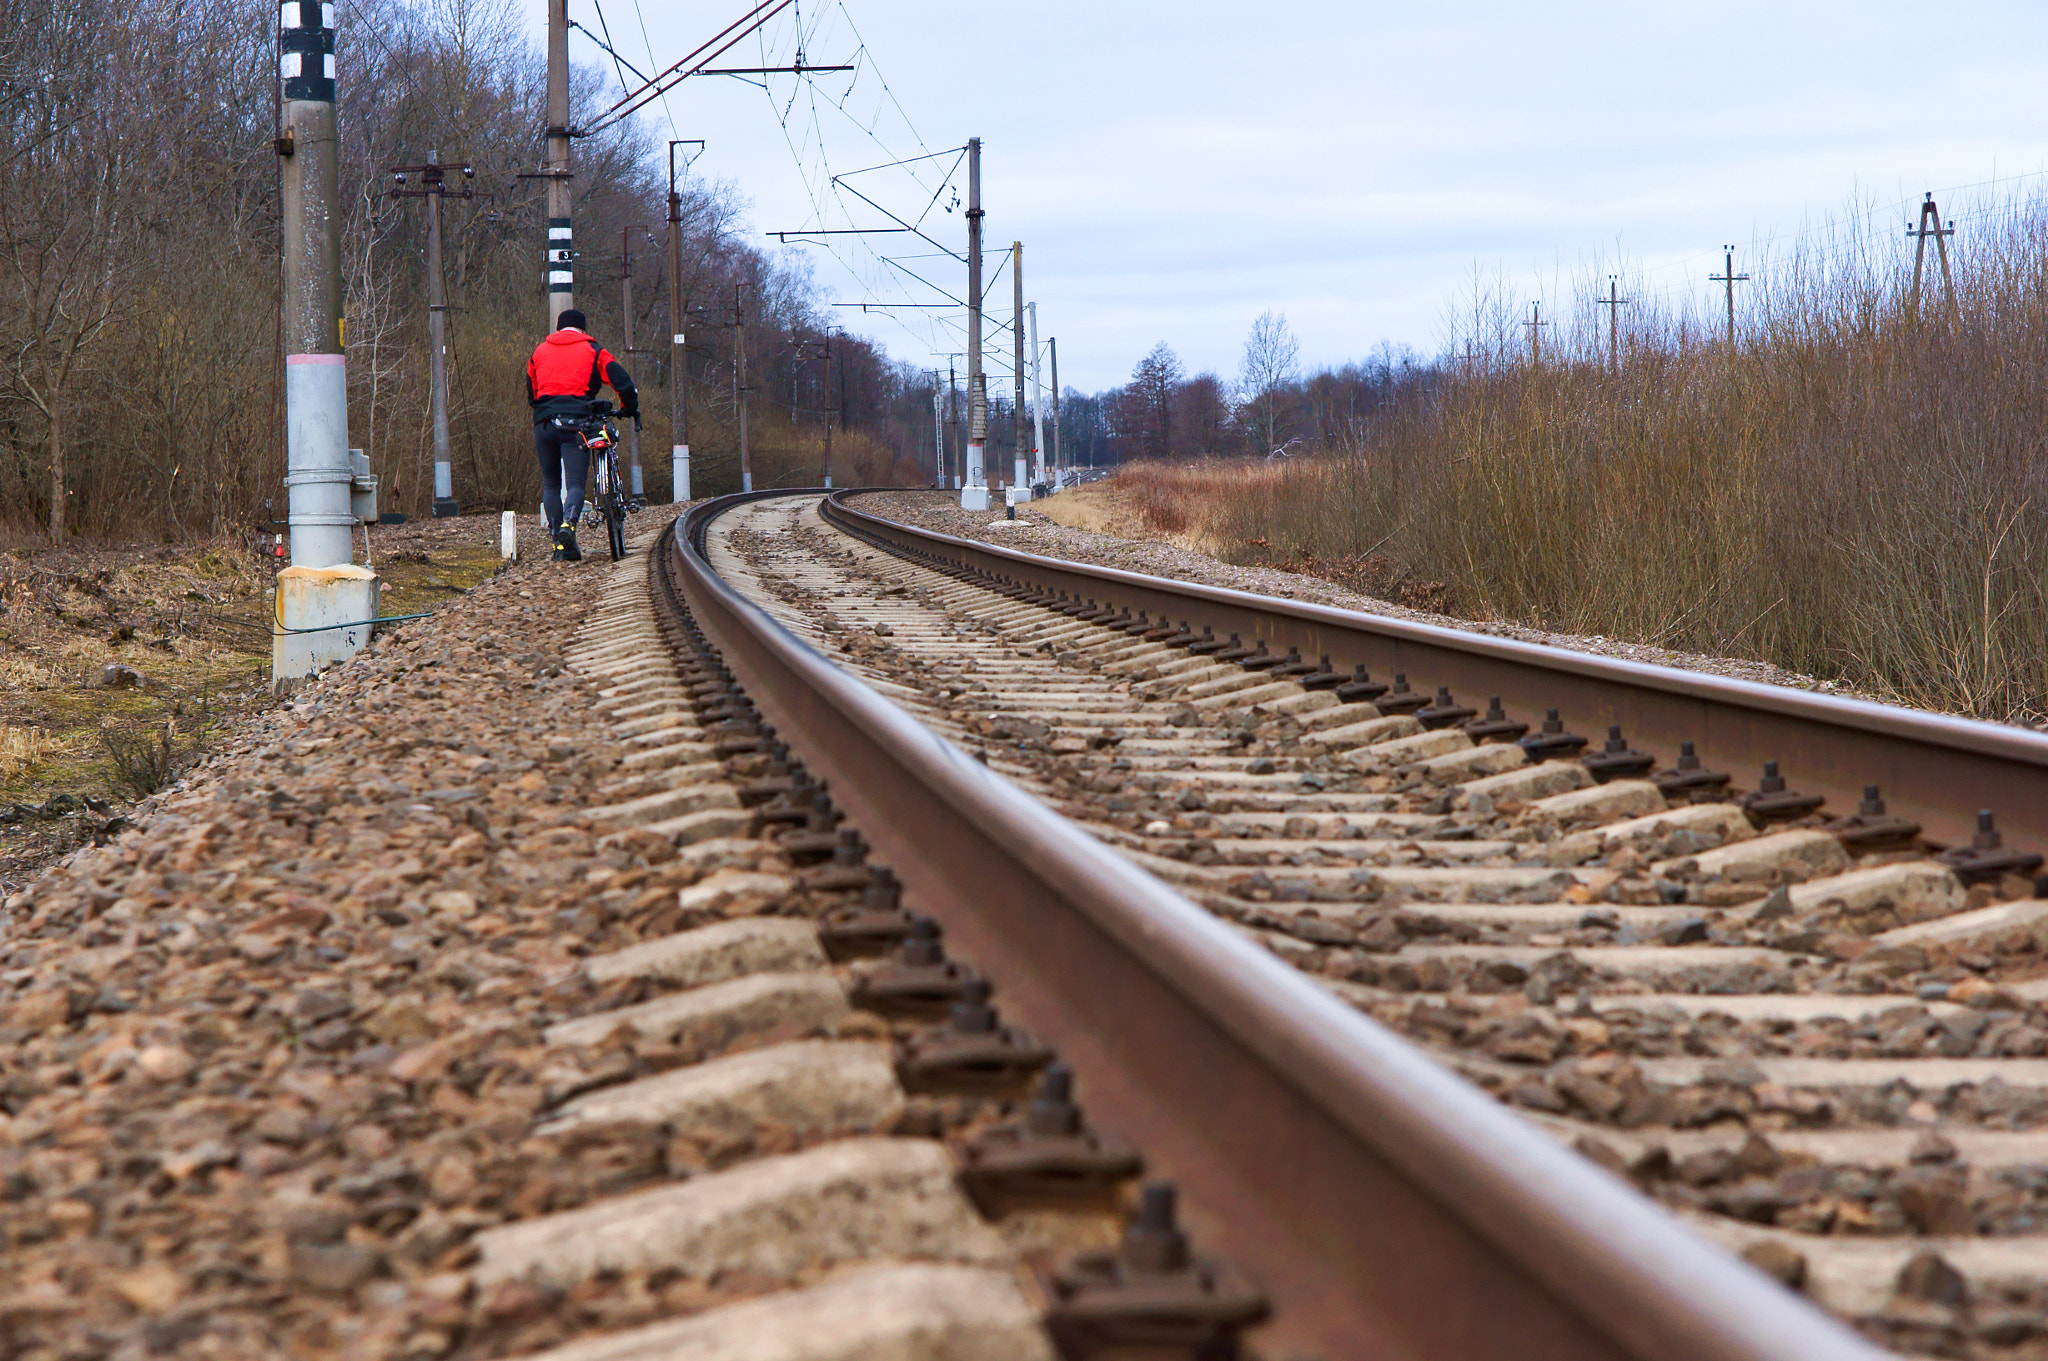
(564, 467)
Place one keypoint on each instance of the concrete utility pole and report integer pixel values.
(1022, 482)
(974, 495)
(938, 437)
(678, 353)
(739, 382)
(433, 178)
(1037, 407)
(1729, 278)
(842, 399)
(437, 367)
(560, 256)
(1058, 464)
(324, 601)
(1613, 302)
(626, 305)
(1930, 225)
(1536, 323)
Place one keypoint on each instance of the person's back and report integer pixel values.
(563, 376)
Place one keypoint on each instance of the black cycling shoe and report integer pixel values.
(566, 545)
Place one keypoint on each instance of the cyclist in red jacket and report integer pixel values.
(562, 378)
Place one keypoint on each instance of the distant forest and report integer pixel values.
(1269, 408)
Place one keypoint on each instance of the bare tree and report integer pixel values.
(1148, 407)
(1272, 364)
(61, 219)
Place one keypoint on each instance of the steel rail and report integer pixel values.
(1936, 770)
(1388, 1208)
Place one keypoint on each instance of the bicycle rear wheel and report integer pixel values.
(615, 508)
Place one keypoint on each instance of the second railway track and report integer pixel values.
(1795, 1024)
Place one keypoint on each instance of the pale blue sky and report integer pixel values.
(1174, 169)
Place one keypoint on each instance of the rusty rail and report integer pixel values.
(1388, 1208)
(1935, 770)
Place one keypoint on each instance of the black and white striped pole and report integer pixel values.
(561, 257)
(323, 599)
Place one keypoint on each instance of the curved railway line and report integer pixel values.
(905, 949)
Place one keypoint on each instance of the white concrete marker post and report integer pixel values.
(508, 536)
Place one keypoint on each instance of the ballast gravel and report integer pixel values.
(271, 1061)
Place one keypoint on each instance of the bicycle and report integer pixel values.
(601, 438)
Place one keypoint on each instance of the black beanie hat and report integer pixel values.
(571, 318)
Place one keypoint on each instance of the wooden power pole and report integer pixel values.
(1728, 278)
(1535, 323)
(433, 187)
(1613, 302)
(1931, 226)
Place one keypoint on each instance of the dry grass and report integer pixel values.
(1851, 491)
(22, 749)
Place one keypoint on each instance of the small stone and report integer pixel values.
(2008, 1327)
(1537, 1096)
(310, 1006)
(1599, 1099)
(1928, 1277)
(164, 1063)
(43, 1009)
(120, 676)
(1158, 828)
(1786, 1265)
(1684, 931)
(1382, 936)
(453, 902)
(150, 1289)
(282, 1124)
(453, 1178)
(1313, 928)
(1706, 1167)
(1601, 1152)
(518, 1301)
(1976, 994)
(334, 1268)
(1931, 1147)
(368, 1142)
(257, 949)
(1652, 1164)
(1935, 1201)
(316, 1221)
(1777, 904)
(1758, 1156)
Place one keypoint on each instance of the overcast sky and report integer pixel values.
(1175, 169)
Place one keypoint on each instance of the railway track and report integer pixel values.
(1812, 1032)
(944, 975)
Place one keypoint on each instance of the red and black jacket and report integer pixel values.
(566, 372)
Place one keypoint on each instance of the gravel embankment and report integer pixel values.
(273, 1056)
